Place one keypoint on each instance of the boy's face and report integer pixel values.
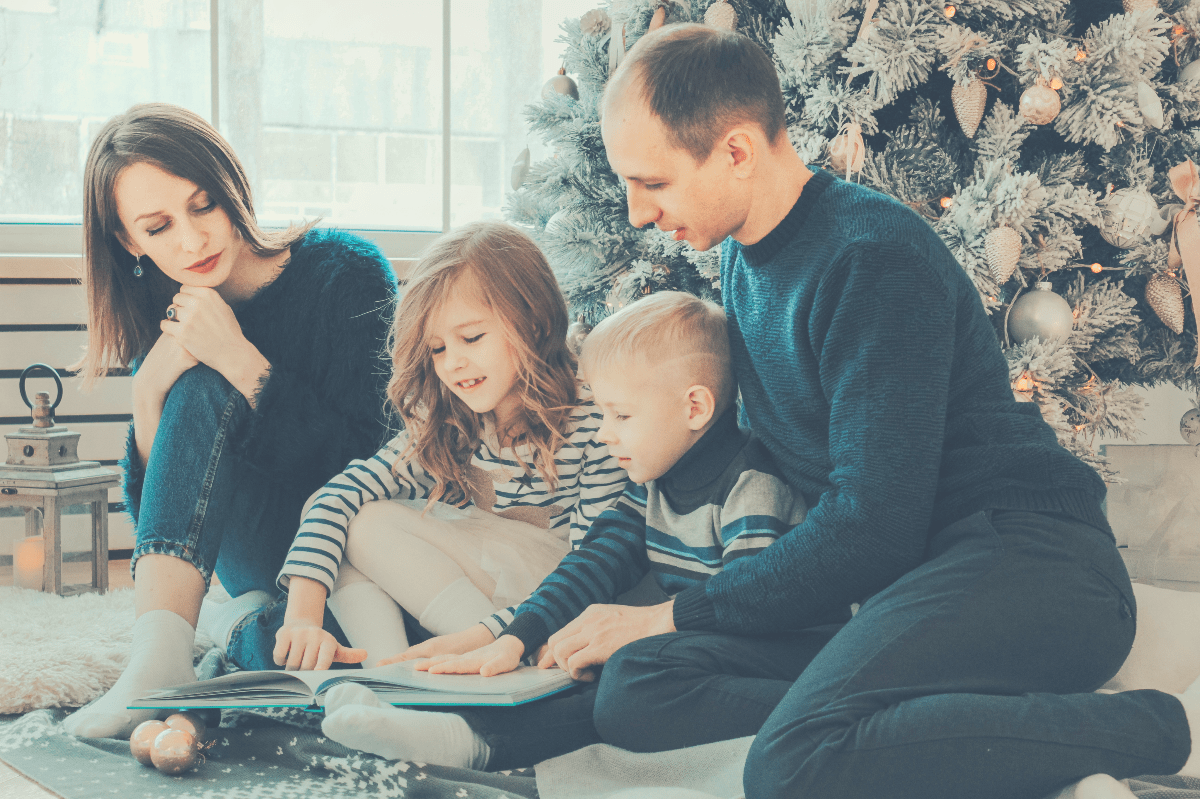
(700, 203)
(648, 423)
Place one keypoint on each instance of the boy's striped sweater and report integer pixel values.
(589, 480)
(723, 501)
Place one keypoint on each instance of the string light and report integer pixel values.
(1056, 83)
(946, 202)
(1080, 54)
(1024, 383)
(1179, 30)
(949, 11)
(1096, 268)
(991, 64)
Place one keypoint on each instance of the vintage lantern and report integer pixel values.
(43, 474)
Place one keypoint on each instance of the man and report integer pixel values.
(994, 601)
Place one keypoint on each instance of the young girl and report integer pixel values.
(496, 476)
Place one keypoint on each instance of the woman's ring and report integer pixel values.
(171, 312)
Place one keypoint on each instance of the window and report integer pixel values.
(336, 109)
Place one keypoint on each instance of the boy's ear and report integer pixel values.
(701, 406)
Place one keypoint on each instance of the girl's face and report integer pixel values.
(177, 225)
(472, 356)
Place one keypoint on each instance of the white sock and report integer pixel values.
(161, 656)
(459, 605)
(370, 619)
(218, 618)
(356, 718)
(1097, 786)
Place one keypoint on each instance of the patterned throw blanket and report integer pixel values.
(261, 754)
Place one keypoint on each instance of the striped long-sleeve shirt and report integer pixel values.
(722, 502)
(589, 480)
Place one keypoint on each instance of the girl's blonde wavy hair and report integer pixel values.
(507, 271)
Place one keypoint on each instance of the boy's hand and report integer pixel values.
(500, 656)
(453, 644)
(303, 647)
(594, 635)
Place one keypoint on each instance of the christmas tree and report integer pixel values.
(1047, 142)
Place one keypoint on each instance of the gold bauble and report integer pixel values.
(1002, 248)
(1164, 295)
(143, 738)
(174, 751)
(560, 84)
(969, 101)
(189, 722)
(1040, 104)
(721, 15)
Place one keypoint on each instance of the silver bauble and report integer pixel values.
(1040, 314)
(1189, 426)
(1126, 217)
(561, 84)
(520, 169)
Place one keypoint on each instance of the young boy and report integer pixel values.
(703, 496)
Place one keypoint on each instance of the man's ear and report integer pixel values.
(701, 406)
(742, 150)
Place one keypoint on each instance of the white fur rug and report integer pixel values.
(63, 651)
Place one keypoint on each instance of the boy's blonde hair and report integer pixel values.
(666, 326)
(505, 269)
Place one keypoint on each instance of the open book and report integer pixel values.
(397, 683)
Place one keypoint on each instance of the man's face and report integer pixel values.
(699, 203)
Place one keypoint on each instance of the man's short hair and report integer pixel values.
(666, 326)
(700, 82)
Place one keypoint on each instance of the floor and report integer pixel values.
(12, 784)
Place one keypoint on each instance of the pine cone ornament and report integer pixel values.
(1040, 104)
(595, 22)
(969, 102)
(721, 15)
(1166, 298)
(1002, 248)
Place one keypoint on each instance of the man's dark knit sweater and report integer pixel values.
(869, 368)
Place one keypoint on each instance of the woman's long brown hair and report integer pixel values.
(508, 272)
(123, 310)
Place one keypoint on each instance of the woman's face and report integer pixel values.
(177, 225)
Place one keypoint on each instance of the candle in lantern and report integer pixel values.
(28, 556)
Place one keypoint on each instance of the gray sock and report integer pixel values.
(355, 717)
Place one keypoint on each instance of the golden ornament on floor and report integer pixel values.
(721, 15)
(1040, 104)
(561, 84)
(969, 102)
(1126, 215)
(143, 738)
(1040, 314)
(1164, 295)
(175, 751)
(1002, 248)
(847, 150)
(189, 722)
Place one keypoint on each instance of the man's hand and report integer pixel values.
(594, 635)
(500, 656)
(454, 644)
(303, 647)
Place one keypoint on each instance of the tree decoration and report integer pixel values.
(969, 102)
(595, 22)
(1126, 215)
(520, 169)
(189, 722)
(143, 738)
(1190, 73)
(1040, 314)
(847, 150)
(576, 333)
(1150, 105)
(1189, 425)
(1166, 298)
(1040, 104)
(561, 84)
(1185, 235)
(175, 751)
(1002, 247)
(721, 15)
(1138, 5)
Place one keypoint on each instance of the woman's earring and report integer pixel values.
(137, 267)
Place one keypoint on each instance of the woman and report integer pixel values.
(258, 375)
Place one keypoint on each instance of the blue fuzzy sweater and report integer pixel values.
(323, 325)
(869, 369)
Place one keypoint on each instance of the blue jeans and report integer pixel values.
(201, 504)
